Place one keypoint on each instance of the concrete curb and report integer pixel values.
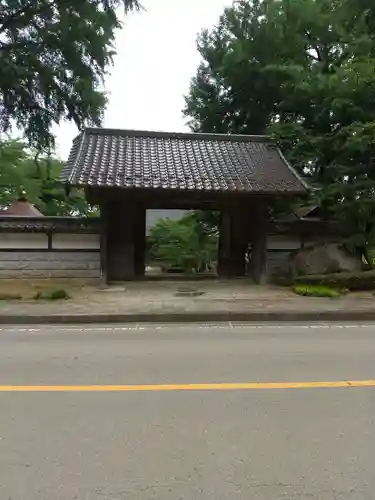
(190, 317)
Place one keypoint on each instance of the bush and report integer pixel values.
(351, 281)
(182, 245)
(317, 291)
(58, 294)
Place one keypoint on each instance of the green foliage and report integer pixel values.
(316, 291)
(302, 71)
(54, 55)
(351, 281)
(23, 172)
(183, 244)
(205, 221)
(58, 294)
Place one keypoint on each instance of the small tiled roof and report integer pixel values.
(70, 225)
(21, 208)
(179, 161)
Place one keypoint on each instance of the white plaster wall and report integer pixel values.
(75, 241)
(23, 241)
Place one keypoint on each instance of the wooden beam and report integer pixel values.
(166, 199)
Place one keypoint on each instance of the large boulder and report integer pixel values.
(324, 259)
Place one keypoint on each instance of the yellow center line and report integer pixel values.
(188, 387)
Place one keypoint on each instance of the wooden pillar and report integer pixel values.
(139, 241)
(104, 213)
(258, 237)
(123, 241)
(120, 242)
(232, 242)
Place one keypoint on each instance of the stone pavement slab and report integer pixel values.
(160, 301)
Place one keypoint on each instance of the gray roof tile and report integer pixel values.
(179, 161)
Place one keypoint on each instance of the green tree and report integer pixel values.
(25, 172)
(183, 243)
(12, 156)
(54, 55)
(303, 71)
(206, 222)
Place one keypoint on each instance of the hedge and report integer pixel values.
(317, 291)
(364, 280)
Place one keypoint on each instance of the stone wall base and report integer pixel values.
(50, 264)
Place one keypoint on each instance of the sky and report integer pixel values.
(156, 58)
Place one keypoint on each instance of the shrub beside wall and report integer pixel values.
(364, 280)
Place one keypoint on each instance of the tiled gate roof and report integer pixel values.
(179, 161)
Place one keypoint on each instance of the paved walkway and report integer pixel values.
(160, 298)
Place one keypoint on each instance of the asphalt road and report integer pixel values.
(179, 444)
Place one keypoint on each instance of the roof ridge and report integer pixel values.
(72, 165)
(157, 134)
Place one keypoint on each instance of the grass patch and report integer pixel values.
(27, 288)
(362, 281)
(317, 291)
(10, 296)
(57, 294)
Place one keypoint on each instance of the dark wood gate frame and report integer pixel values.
(243, 220)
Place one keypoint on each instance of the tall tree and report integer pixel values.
(26, 172)
(54, 55)
(234, 89)
(303, 70)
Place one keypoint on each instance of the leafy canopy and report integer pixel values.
(183, 243)
(304, 71)
(53, 57)
(23, 172)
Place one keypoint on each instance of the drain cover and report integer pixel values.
(188, 292)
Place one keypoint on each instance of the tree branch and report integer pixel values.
(6, 47)
(314, 45)
(21, 18)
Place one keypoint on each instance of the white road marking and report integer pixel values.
(230, 325)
